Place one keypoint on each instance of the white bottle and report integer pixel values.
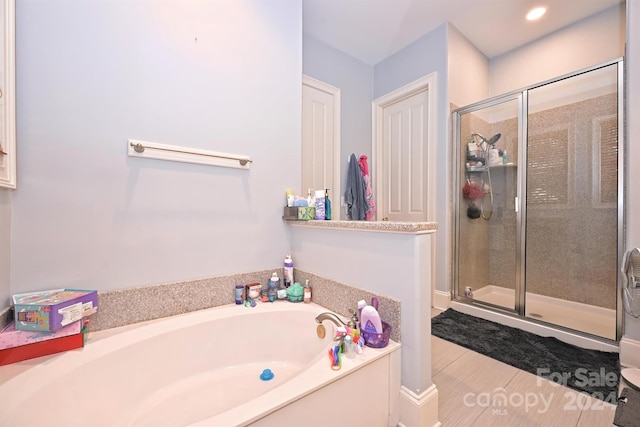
(494, 157)
(288, 271)
(370, 320)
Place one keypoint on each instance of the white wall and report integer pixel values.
(632, 325)
(588, 42)
(219, 75)
(468, 70)
(385, 263)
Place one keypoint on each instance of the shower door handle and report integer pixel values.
(516, 204)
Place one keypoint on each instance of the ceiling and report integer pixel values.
(372, 30)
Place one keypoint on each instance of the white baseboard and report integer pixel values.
(441, 299)
(629, 352)
(419, 410)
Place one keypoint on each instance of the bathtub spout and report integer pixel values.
(327, 315)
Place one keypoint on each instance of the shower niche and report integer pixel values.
(538, 202)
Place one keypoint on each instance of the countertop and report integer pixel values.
(375, 226)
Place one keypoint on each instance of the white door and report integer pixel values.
(321, 140)
(404, 162)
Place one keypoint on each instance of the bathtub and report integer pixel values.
(202, 369)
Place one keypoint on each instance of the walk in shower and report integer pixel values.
(539, 202)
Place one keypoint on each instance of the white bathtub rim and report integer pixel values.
(105, 342)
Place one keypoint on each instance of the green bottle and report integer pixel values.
(327, 205)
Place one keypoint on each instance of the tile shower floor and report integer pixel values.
(574, 315)
(468, 382)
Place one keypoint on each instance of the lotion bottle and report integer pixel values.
(370, 320)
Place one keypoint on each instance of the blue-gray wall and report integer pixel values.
(355, 81)
(427, 55)
(217, 75)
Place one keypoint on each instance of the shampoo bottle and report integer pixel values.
(327, 205)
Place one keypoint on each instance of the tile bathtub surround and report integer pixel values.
(133, 305)
(339, 297)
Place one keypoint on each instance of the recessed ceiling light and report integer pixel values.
(536, 13)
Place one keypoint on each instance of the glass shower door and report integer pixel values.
(572, 202)
(486, 223)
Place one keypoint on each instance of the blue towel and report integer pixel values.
(355, 195)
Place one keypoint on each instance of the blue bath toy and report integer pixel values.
(266, 375)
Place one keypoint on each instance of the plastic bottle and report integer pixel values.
(327, 205)
(349, 350)
(288, 271)
(310, 201)
(320, 205)
(274, 284)
(290, 197)
(239, 294)
(505, 157)
(467, 292)
(307, 292)
(361, 304)
(370, 320)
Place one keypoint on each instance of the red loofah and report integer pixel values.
(470, 191)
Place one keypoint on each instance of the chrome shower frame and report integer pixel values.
(521, 96)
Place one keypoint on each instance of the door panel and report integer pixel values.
(487, 217)
(404, 163)
(317, 139)
(572, 216)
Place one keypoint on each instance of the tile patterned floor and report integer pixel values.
(475, 390)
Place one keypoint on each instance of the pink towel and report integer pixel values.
(370, 213)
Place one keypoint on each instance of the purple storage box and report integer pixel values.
(51, 310)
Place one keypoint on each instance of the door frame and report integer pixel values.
(335, 92)
(427, 83)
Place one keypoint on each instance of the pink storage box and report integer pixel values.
(51, 310)
(16, 346)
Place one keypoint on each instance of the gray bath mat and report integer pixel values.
(596, 373)
(628, 410)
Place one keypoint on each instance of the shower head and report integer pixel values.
(489, 141)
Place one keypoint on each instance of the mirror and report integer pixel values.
(7, 97)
